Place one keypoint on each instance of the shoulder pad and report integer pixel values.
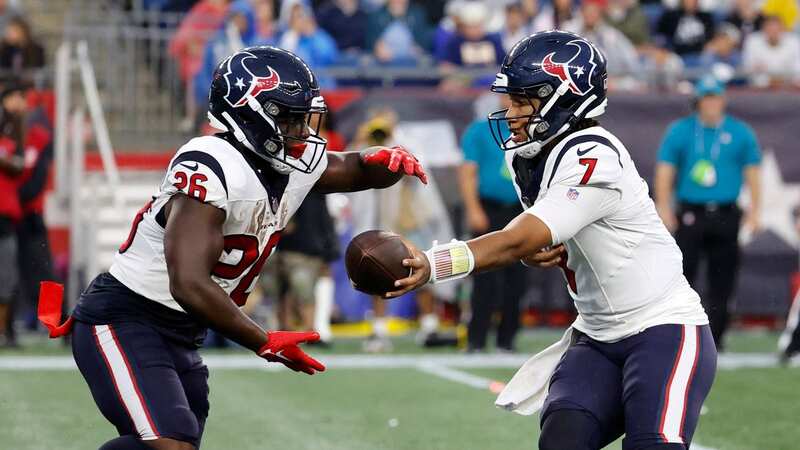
(199, 175)
(587, 159)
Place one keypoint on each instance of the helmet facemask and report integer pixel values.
(537, 126)
(287, 138)
(297, 143)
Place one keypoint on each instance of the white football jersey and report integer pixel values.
(212, 170)
(623, 269)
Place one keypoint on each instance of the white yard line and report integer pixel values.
(696, 446)
(456, 375)
(729, 361)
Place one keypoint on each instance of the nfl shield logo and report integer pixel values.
(572, 194)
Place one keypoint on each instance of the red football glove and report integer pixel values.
(282, 347)
(396, 157)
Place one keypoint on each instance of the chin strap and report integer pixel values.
(450, 261)
(533, 149)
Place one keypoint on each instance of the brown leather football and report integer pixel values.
(374, 261)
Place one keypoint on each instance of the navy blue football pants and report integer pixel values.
(144, 384)
(649, 386)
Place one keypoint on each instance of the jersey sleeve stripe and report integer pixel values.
(206, 159)
(582, 140)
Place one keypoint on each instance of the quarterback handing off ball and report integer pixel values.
(374, 261)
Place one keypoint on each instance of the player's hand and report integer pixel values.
(420, 272)
(478, 220)
(752, 222)
(282, 347)
(545, 257)
(395, 159)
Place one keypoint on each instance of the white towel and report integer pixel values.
(526, 391)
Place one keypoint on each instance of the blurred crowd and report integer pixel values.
(21, 54)
(26, 125)
(647, 43)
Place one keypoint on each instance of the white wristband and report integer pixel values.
(450, 261)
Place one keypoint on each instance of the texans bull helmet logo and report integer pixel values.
(577, 70)
(244, 83)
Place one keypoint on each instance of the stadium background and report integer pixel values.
(116, 90)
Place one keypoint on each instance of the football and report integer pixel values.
(374, 261)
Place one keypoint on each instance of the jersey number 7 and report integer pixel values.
(589, 163)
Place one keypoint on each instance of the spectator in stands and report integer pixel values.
(188, 43)
(446, 28)
(311, 43)
(746, 17)
(490, 203)
(627, 17)
(266, 29)
(786, 10)
(434, 9)
(398, 33)
(8, 10)
(33, 256)
(516, 27)
(12, 119)
(721, 56)
(346, 21)
(18, 50)
(618, 50)
(562, 12)
(239, 31)
(686, 30)
(704, 158)
(659, 67)
(471, 46)
(771, 57)
(538, 16)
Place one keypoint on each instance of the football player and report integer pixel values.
(195, 250)
(639, 359)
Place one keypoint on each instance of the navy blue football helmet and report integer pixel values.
(269, 100)
(565, 71)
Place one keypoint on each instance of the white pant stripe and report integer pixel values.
(123, 380)
(677, 390)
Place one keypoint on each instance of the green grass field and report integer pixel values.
(398, 407)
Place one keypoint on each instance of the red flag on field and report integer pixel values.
(51, 297)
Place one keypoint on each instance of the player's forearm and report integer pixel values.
(347, 172)
(469, 186)
(753, 178)
(367, 176)
(664, 181)
(524, 236)
(209, 303)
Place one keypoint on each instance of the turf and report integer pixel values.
(748, 409)
(251, 409)
(355, 409)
